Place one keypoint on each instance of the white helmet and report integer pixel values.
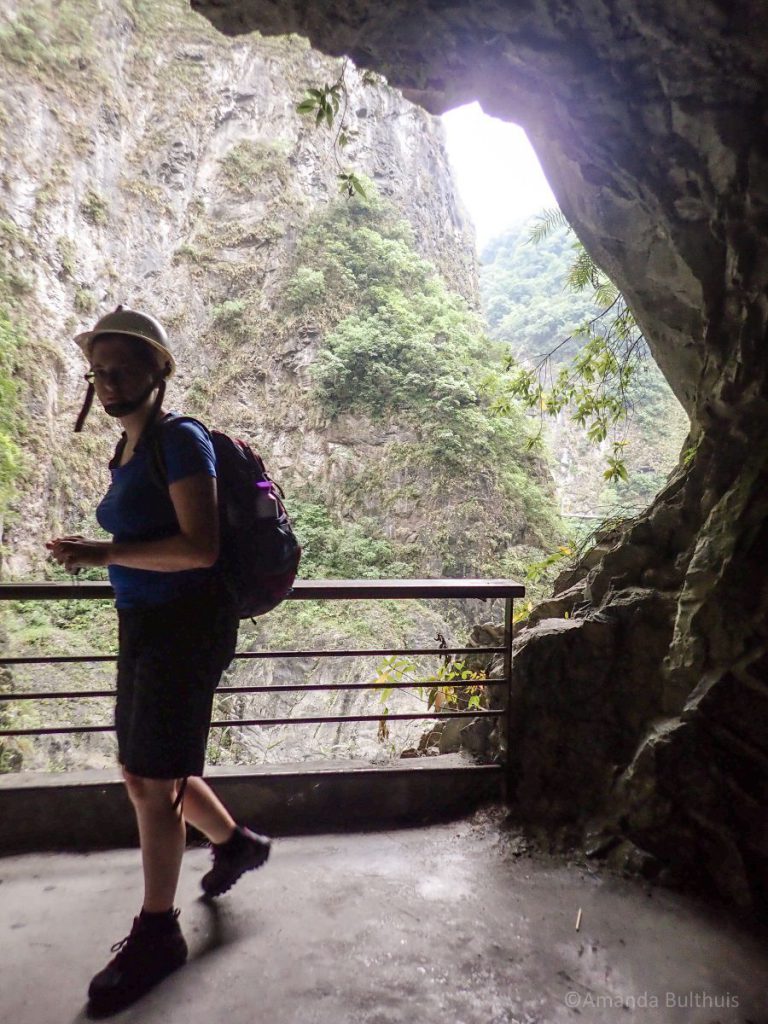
(135, 324)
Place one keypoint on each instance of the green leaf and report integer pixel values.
(550, 220)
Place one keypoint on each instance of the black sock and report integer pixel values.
(157, 919)
(230, 843)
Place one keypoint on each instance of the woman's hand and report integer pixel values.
(76, 552)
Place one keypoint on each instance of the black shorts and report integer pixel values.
(171, 658)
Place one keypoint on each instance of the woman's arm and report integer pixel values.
(195, 546)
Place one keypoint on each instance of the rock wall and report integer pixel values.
(148, 160)
(649, 120)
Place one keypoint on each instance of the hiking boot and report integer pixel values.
(242, 852)
(145, 957)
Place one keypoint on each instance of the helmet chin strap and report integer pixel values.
(126, 408)
(85, 409)
(116, 409)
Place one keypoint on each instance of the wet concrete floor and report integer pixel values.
(430, 924)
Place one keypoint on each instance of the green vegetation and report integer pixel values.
(574, 347)
(526, 298)
(84, 300)
(402, 351)
(305, 289)
(53, 39)
(236, 332)
(17, 310)
(656, 430)
(208, 261)
(343, 550)
(406, 344)
(412, 350)
(15, 282)
(457, 685)
(67, 626)
(154, 194)
(595, 384)
(94, 208)
(250, 165)
(11, 341)
(229, 314)
(400, 348)
(51, 185)
(67, 253)
(322, 105)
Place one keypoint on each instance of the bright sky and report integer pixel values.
(499, 177)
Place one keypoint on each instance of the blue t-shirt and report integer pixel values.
(136, 507)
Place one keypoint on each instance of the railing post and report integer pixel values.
(508, 607)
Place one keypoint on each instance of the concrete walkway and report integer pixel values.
(432, 924)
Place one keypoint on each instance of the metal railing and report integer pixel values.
(303, 590)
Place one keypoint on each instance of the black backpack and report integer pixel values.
(259, 551)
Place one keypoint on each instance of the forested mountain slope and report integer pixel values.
(530, 308)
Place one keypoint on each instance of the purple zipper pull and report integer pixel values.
(266, 505)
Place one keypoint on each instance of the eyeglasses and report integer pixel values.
(117, 374)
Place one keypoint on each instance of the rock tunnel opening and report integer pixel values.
(657, 150)
(592, 389)
(643, 683)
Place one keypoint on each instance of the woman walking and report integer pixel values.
(177, 625)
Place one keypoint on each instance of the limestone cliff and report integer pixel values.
(146, 159)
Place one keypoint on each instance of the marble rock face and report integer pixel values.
(650, 121)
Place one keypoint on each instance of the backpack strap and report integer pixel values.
(157, 465)
(119, 449)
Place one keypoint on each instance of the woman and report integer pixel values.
(177, 633)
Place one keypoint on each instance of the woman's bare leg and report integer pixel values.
(247, 851)
(162, 835)
(203, 809)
